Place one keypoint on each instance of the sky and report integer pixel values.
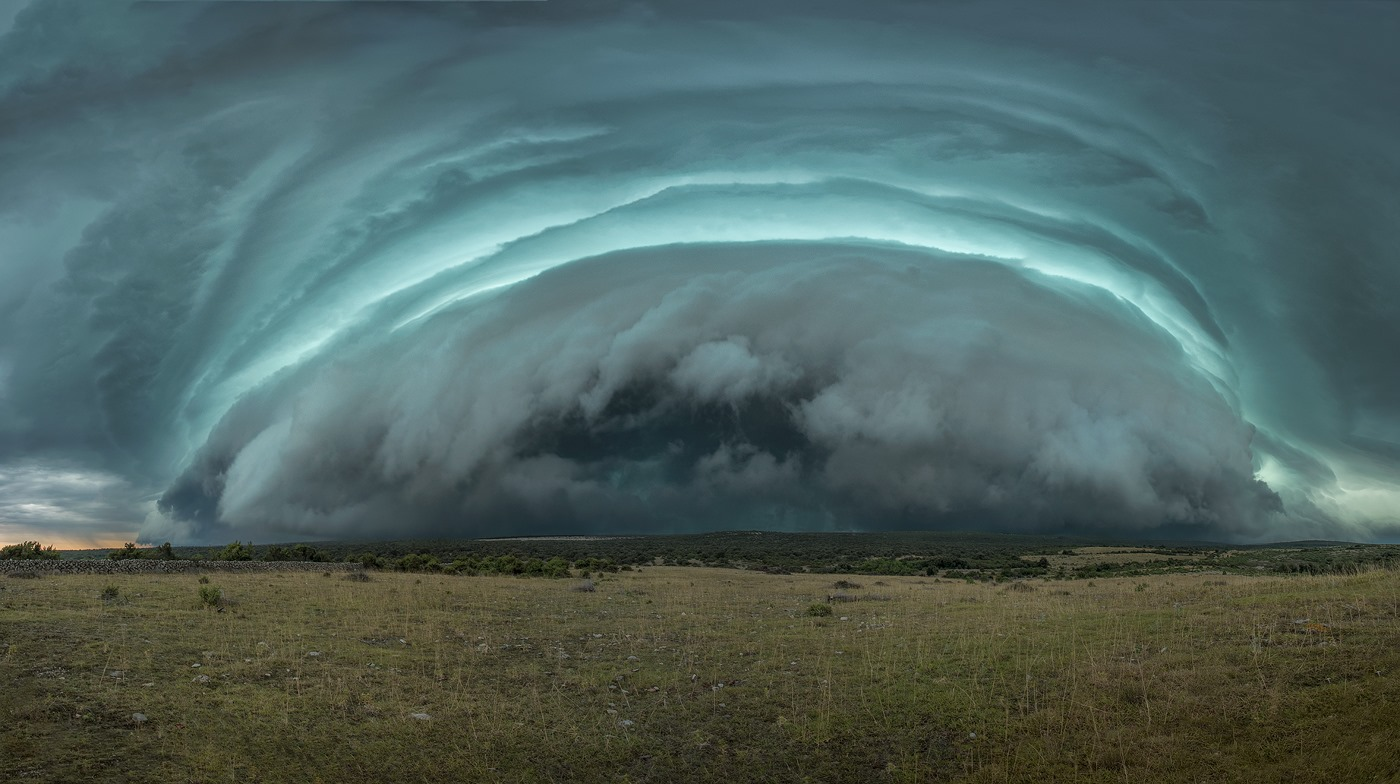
(357, 270)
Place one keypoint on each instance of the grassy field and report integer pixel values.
(682, 674)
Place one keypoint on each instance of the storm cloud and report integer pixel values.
(297, 271)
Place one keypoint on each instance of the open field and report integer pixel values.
(682, 674)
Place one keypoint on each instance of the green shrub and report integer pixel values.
(297, 552)
(203, 579)
(128, 552)
(818, 610)
(235, 551)
(555, 567)
(110, 592)
(210, 595)
(367, 560)
(28, 551)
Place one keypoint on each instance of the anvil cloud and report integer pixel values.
(314, 270)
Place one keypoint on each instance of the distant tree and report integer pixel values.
(165, 552)
(556, 567)
(368, 560)
(28, 551)
(128, 552)
(235, 551)
(418, 562)
(297, 552)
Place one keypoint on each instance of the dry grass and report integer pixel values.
(699, 675)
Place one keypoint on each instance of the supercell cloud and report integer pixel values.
(342, 270)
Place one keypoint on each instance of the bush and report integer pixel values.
(368, 560)
(819, 610)
(110, 592)
(297, 552)
(234, 551)
(28, 551)
(128, 552)
(555, 567)
(357, 577)
(417, 562)
(210, 595)
(585, 587)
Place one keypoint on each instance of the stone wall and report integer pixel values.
(143, 566)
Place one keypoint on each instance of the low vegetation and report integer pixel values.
(966, 556)
(679, 674)
(28, 551)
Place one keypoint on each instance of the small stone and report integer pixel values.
(313, 653)
(626, 723)
(633, 658)
(200, 679)
(139, 718)
(420, 716)
(195, 666)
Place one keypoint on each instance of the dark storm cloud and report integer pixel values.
(352, 269)
(680, 385)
